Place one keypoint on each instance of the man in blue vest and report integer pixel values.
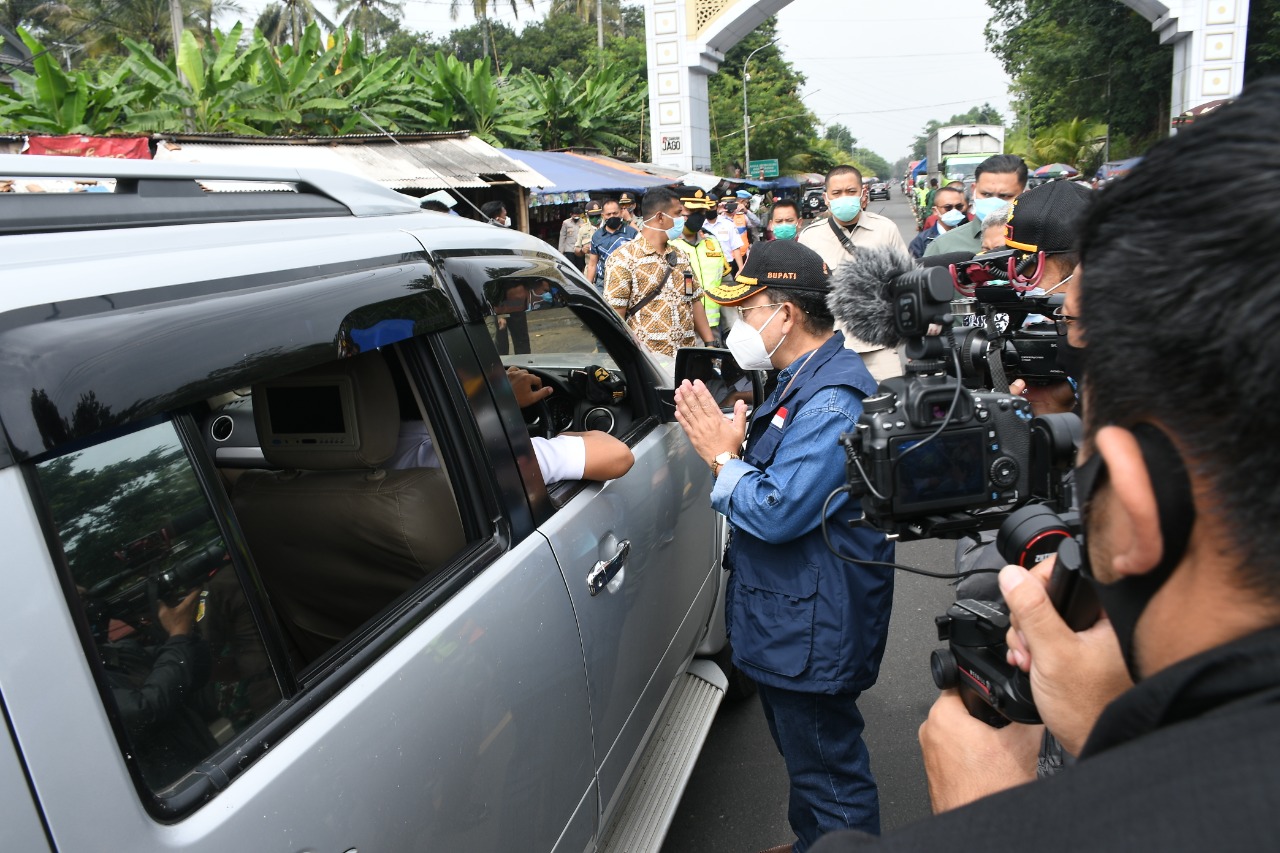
(807, 626)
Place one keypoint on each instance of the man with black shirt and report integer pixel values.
(1177, 477)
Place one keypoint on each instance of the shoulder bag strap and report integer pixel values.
(841, 236)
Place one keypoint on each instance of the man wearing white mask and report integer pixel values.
(998, 181)
(838, 238)
(807, 627)
(949, 206)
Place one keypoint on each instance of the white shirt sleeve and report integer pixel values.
(561, 458)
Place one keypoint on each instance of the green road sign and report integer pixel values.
(763, 169)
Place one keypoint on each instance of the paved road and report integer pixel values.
(736, 801)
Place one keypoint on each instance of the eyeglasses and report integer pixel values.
(1061, 321)
(765, 305)
(959, 206)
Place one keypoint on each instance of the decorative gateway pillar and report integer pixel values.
(686, 41)
(1208, 38)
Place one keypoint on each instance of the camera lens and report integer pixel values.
(943, 666)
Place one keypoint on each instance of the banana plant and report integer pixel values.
(469, 98)
(56, 102)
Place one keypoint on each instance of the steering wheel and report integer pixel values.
(537, 418)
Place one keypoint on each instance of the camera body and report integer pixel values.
(977, 459)
(974, 660)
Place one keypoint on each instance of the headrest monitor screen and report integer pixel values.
(310, 409)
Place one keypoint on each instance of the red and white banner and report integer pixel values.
(119, 148)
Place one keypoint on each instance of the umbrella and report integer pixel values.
(1056, 170)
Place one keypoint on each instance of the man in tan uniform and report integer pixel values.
(851, 227)
(651, 284)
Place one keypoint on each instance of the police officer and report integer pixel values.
(704, 252)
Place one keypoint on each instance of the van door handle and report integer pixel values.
(604, 571)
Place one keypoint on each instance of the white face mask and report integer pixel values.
(747, 345)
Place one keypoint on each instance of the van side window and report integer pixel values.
(183, 661)
(347, 507)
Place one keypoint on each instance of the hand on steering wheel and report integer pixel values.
(531, 395)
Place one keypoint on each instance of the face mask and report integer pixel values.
(613, 223)
(984, 207)
(846, 208)
(694, 223)
(784, 231)
(747, 345)
(952, 218)
(713, 215)
(576, 217)
(594, 220)
(676, 229)
(547, 298)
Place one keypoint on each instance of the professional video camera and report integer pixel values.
(932, 456)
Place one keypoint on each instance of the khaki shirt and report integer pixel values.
(665, 323)
(569, 235)
(585, 232)
(871, 229)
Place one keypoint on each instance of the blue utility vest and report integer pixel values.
(799, 617)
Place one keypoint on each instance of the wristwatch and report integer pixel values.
(720, 461)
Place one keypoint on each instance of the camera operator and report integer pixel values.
(1177, 479)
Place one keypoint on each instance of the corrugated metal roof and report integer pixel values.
(421, 161)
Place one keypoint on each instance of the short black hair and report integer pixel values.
(942, 190)
(1003, 164)
(785, 202)
(1180, 310)
(815, 316)
(437, 206)
(842, 170)
(933, 182)
(657, 200)
(492, 209)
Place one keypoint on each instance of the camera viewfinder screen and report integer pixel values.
(314, 409)
(950, 467)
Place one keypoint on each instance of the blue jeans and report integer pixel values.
(820, 738)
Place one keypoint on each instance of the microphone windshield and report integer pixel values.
(861, 296)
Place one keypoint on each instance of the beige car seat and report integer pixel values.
(335, 536)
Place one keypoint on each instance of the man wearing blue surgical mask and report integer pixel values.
(838, 238)
(950, 209)
(998, 181)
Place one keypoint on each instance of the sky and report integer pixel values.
(867, 64)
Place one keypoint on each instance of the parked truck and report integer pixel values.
(955, 151)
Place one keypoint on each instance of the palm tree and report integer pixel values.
(208, 10)
(103, 25)
(285, 20)
(369, 16)
(1077, 142)
(481, 10)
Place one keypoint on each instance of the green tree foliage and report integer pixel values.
(582, 112)
(50, 100)
(1082, 58)
(1076, 142)
(103, 26)
(284, 21)
(1262, 49)
(373, 18)
(842, 137)
(985, 114)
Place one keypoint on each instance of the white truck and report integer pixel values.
(955, 151)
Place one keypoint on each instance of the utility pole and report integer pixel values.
(746, 117)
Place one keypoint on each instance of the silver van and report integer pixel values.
(231, 624)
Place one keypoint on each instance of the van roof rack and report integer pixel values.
(150, 192)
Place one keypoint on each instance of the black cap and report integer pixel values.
(1047, 218)
(626, 200)
(776, 263)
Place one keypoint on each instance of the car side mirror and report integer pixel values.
(720, 372)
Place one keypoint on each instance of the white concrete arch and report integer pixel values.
(687, 40)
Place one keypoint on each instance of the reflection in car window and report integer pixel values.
(532, 327)
(184, 663)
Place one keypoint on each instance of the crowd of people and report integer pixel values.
(1166, 712)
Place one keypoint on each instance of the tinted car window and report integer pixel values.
(182, 664)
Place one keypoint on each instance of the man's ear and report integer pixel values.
(1135, 542)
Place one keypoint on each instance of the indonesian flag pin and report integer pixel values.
(780, 418)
